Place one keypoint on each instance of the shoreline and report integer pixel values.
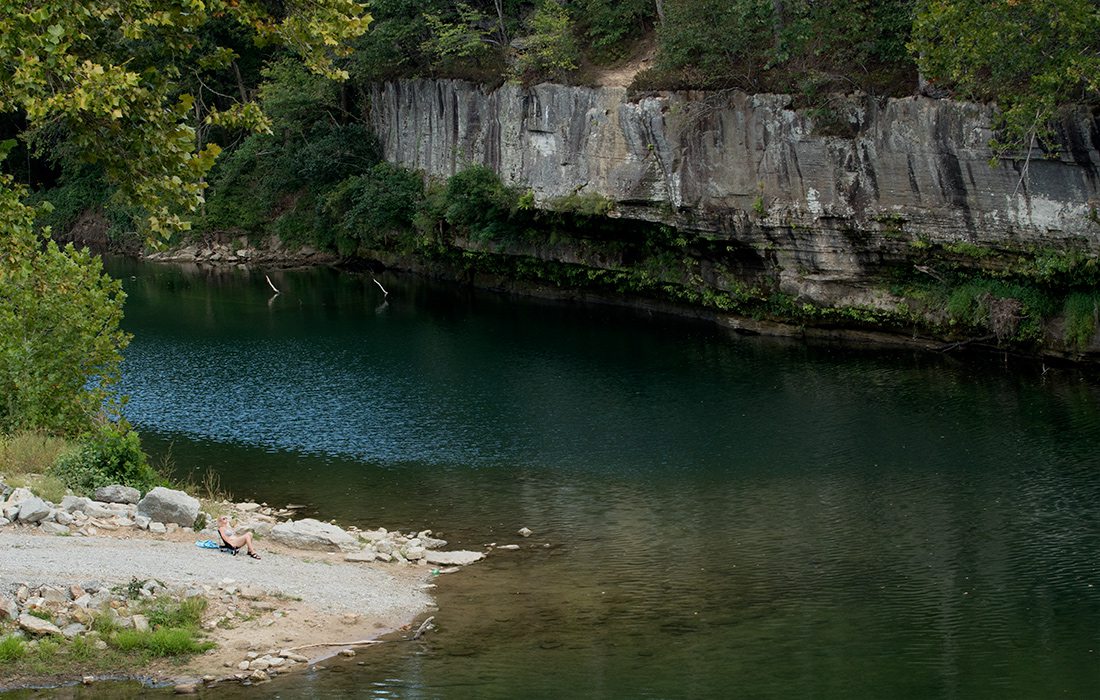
(223, 256)
(300, 604)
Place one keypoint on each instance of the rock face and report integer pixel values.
(169, 506)
(313, 534)
(117, 493)
(816, 206)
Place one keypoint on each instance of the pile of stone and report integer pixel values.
(257, 667)
(114, 507)
(68, 611)
(164, 511)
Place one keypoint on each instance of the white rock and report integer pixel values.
(259, 665)
(361, 557)
(382, 556)
(9, 609)
(73, 630)
(524, 532)
(18, 495)
(117, 493)
(374, 535)
(141, 623)
(508, 546)
(53, 528)
(455, 558)
(4, 521)
(313, 534)
(243, 665)
(62, 518)
(32, 510)
(37, 626)
(429, 542)
(248, 507)
(142, 522)
(413, 553)
(157, 528)
(169, 506)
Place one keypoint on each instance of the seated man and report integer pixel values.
(234, 540)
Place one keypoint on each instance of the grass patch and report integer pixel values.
(45, 486)
(12, 648)
(1081, 311)
(166, 641)
(29, 452)
(185, 614)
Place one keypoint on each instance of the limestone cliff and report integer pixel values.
(821, 206)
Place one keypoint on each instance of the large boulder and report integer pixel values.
(32, 510)
(9, 610)
(71, 504)
(169, 506)
(313, 534)
(117, 493)
(18, 495)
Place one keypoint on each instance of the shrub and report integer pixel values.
(112, 455)
(478, 204)
(30, 452)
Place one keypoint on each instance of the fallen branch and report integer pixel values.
(360, 643)
(273, 287)
(424, 626)
(384, 292)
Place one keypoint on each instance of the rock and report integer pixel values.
(53, 594)
(259, 665)
(382, 556)
(37, 626)
(383, 547)
(62, 518)
(186, 689)
(257, 528)
(428, 542)
(158, 528)
(364, 556)
(87, 680)
(413, 553)
(53, 528)
(243, 665)
(74, 630)
(248, 507)
(347, 652)
(171, 527)
(4, 521)
(313, 534)
(141, 623)
(508, 546)
(32, 510)
(374, 535)
(100, 644)
(293, 656)
(142, 522)
(276, 662)
(455, 558)
(524, 532)
(18, 495)
(117, 493)
(258, 677)
(251, 592)
(164, 505)
(9, 609)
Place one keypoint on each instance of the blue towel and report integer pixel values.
(207, 544)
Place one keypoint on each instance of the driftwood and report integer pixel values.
(273, 287)
(360, 643)
(424, 627)
(384, 292)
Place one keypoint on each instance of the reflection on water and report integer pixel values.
(725, 517)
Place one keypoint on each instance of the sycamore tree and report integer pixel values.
(108, 76)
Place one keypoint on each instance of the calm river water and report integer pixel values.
(726, 517)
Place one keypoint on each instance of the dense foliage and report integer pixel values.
(104, 85)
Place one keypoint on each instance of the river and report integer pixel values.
(713, 516)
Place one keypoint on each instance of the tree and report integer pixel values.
(1028, 57)
(104, 75)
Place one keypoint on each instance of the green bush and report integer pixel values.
(185, 614)
(479, 205)
(112, 455)
(369, 207)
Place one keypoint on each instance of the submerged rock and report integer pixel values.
(455, 558)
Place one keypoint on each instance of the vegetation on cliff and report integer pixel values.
(151, 89)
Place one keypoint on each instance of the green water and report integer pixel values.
(726, 517)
